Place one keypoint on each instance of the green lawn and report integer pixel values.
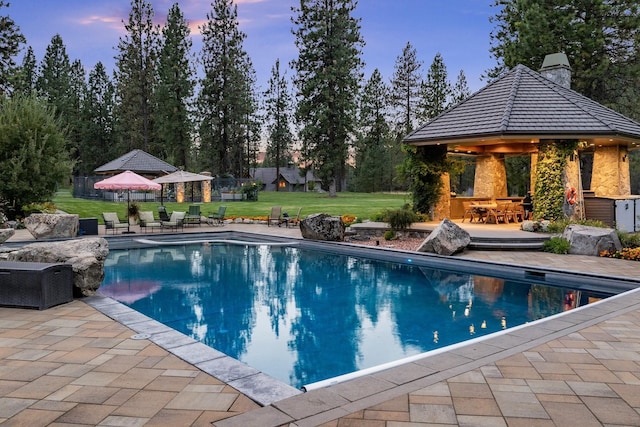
(360, 205)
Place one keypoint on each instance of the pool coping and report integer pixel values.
(283, 403)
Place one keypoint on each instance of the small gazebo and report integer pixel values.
(519, 111)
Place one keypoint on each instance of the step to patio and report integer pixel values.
(500, 244)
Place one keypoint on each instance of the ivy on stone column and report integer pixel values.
(549, 196)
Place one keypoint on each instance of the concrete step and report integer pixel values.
(499, 244)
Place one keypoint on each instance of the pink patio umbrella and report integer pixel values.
(127, 180)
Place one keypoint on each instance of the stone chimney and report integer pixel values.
(556, 68)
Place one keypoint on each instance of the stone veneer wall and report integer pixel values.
(442, 209)
(572, 179)
(610, 175)
(491, 177)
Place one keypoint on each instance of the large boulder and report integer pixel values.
(587, 240)
(6, 233)
(446, 239)
(52, 226)
(86, 257)
(322, 226)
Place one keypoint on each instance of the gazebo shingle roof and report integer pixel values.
(524, 103)
(137, 161)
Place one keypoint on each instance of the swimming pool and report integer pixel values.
(314, 311)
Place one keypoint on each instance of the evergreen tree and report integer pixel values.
(74, 115)
(405, 89)
(23, 79)
(98, 134)
(54, 81)
(136, 79)
(600, 37)
(460, 90)
(374, 147)
(33, 156)
(54, 85)
(226, 103)
(10, 40)
(327, 79)
(435, 91)
(278, 105)
(175, 90)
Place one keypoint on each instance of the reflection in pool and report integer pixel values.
(303, 316)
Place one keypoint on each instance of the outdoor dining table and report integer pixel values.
(482, 209)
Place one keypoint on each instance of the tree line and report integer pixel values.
(203, 110)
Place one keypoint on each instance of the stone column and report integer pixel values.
(180, 192)
(571, 180)
(442, 208)
(610, 175)
(491, 177)
(534, 170)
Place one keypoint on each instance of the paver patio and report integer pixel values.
(73, 365)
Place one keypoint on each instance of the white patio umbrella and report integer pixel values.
(127, 180)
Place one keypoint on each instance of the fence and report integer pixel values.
(83, 189)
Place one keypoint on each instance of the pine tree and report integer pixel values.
(328, 73)
(74, 115)
(226, 103)
(23, 78)
(54, 85)
(278, 105)
(374, 147)
(98, 134)
(436, 91)
(136, 79)
(405, 89)
(175, 90)
(10, 41)
(460, 90)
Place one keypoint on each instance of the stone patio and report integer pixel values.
(74, 365)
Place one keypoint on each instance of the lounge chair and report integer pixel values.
(193, 217)
(112, 222)
(294, 221)
(162, 212)
(175, 221)
(275, 216)
(148, 221)
(218, 218)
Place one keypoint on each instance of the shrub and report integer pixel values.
(400, 219)
(556, 245)
(629, 240)
(46, 207)
(389, 235)
(379, 217)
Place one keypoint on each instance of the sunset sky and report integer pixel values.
(457, 29)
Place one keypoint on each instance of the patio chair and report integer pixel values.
(193, 217)
(468, 211)
(275, 216)
(162, 212)
(294, 221)
(148, 221)
(175, 221)
(218, 218)
(112, 222)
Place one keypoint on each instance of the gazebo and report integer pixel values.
(514, 115)
(137, 161)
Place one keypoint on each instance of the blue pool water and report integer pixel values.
(303, 316)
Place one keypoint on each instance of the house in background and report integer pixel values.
(291, 179)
